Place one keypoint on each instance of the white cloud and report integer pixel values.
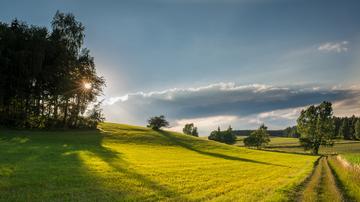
(205, 124)
(334, 47)
(291, 114)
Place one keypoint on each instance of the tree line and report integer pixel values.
(47, 78)
(347, 127)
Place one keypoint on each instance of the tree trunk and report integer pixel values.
(65, 112)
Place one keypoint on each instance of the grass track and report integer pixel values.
(121, 162)
(332, 181)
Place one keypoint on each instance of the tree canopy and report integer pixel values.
(47, 78)
(315, 124)
(226, 136)
(259, 138)
(190, 129)
(157, 122)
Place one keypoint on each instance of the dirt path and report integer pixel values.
(322, 185)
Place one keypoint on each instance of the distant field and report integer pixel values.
(292, 145)
(127, 163)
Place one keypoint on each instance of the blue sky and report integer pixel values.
(149, 48)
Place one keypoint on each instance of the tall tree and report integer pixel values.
(344, 129)
(259, 138)
(315, 125)
(42, 74)
(190, 129)
(357, 129)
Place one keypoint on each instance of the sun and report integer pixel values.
(87, 86)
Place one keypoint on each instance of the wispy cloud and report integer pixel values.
(334, 47)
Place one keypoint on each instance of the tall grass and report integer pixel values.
(348, 177)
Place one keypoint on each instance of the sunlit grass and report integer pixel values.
(348, 177)
(292, 145)
(121, 162)
(353, 158)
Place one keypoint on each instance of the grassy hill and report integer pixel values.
(121, 162)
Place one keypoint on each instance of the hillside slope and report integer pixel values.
(121, 162)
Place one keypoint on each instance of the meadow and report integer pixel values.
(333, 178)
(128, 163)
(285, 144)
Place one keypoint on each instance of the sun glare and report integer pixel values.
(87, 86)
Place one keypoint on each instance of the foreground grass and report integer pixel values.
(348, 176)
(121, 162)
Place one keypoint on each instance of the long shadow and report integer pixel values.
(212, 154)
(288, 152)
(49, 168)
(114, 161)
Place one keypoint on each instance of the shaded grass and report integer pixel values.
(122, 163)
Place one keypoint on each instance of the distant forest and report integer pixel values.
(347, 128)
(47, 79)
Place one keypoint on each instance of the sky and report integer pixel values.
(215, 62)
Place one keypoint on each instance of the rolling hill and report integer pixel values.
(121, 162)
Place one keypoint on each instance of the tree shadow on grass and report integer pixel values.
(112, 159)
(47, 166)
(183, 144)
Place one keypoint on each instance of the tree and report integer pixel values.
(315, 124)
(189, 129)
(42, 75)
(291, 132)
(344, 129)
(259, 138)
(357, 129)
(157, 122)
(226, 136)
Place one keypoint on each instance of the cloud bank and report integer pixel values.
(223, 104)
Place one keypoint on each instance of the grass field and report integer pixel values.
(121, 162)
(350, 147)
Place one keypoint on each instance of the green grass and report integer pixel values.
(121, 162)
(353, 158)
(292, 145)
(348, 177)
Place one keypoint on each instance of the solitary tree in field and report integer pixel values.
(357, 129)
(190, 129)
(316, 127)
(157, 122)
(258, 138)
